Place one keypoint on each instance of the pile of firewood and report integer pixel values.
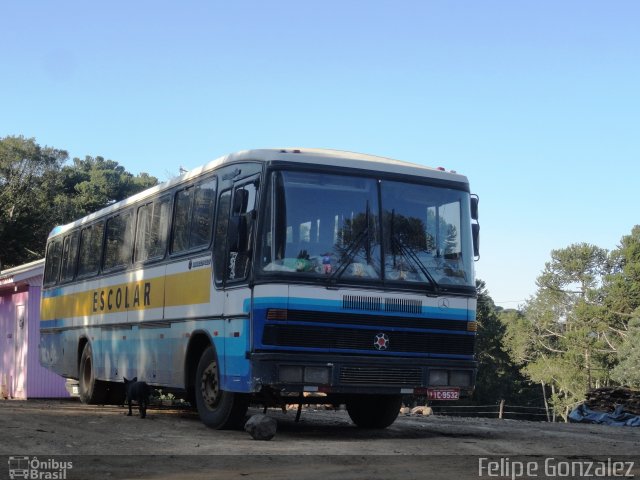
(607, 398)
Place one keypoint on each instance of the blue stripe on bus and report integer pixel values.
(57, 323)
(54, 292)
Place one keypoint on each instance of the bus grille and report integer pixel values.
(401, 305)
(357, 302)
(381, 376)
(363, 339)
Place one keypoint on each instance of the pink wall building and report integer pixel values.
(21, 375)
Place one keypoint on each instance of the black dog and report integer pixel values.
(138, 392)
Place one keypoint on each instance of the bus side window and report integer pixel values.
(143, 232)
(54, 252)
(69, 257)
(119, 241)
(202, 216)
(151, 231)
(160, 227)
(181, 215)
(193, 217)
(90, 250)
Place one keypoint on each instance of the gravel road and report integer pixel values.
(102, 441)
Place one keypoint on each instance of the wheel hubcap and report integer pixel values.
(210, 386)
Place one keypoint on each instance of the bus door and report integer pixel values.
(240, 233)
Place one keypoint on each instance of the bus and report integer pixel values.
(272, 277)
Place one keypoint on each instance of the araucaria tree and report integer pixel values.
(581, 329)
(622, 308)
(559, 338)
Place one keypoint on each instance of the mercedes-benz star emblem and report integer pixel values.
(381, 342)
(443, 303)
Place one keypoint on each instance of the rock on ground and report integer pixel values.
(261, 427)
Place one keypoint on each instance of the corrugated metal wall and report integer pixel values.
(7, 348)
(41, 383)
(21, 375)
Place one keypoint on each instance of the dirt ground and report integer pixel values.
(101, 441)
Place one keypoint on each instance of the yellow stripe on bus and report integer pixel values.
(188, 288)
(180, 289)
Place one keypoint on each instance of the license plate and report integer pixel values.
(443, 393)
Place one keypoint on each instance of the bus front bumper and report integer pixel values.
(341, 374)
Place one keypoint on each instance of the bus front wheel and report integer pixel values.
(217, 408)
(91, 391)
(374, 411)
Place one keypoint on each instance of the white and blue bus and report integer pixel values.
(266, 274)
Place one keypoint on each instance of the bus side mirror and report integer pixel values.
(475, 232)
(474, 207)
(240, 201)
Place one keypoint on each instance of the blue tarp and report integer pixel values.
(583, 414)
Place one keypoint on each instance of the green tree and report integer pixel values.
(621, 291)
(627, 372)
(38, 191)
(28, 183)
(499, 376)
(621, 298)
(582, 328)
(563, 325)
(94, 183)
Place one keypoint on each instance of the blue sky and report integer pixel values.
(537, 102)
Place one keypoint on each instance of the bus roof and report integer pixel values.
(311, 156)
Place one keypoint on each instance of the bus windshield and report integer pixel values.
(347, 228)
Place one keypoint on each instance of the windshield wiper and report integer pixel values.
(347, 256)
(352, 249)
(408, 252)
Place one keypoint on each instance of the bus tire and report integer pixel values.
(91, 391)
(374, 411)
(217, 408)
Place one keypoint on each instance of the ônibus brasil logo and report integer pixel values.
(33, 468)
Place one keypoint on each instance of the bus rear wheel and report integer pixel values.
(374, 411)
(217, 408)
(91, 391)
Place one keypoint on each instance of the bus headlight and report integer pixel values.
(460, 378)
(306, 375)
(438, 378)
(290, 374)
(316, 375)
